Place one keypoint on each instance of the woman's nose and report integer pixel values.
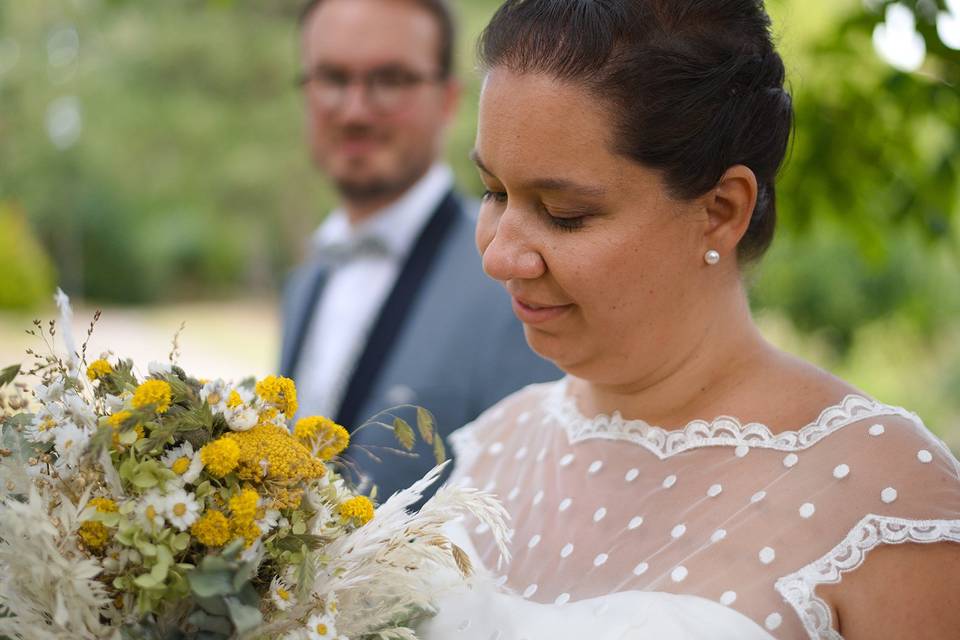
(507, 250)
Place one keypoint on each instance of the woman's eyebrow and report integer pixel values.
(548, 184)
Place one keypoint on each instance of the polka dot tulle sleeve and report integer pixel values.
(730, 517)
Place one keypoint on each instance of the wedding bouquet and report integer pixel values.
(167, 506)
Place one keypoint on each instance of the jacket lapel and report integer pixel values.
(308, 285)
(395, 311)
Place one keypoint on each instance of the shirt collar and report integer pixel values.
(397, 225)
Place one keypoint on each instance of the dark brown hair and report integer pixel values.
(697, 85)
(446, 25)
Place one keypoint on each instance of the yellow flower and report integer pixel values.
(212, 529)
(280, 392)
(244, 505)
(359, 509)
(103, 505)
(269, 451)
(153, 392)
(249, 531)
(328, 437)
(286, 498)
(95, 535)
(220, 457)
(117, 419)
(99, 369)
(234, 400)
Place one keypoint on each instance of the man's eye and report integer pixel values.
(394, 78)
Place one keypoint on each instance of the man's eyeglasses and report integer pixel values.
(386, 89)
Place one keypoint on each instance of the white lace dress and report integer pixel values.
(624, 531)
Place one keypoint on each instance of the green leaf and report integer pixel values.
(213, 605)
(439, 450)
(159, 572)
(403, 432)
(425, 424)
(244, 617)
(146, 581)
(181, 542)
(8, 374)
(217, 624)
(296, 541)
(211, 583)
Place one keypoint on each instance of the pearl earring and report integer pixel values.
(711, 257)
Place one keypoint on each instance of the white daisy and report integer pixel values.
(79, 410)
(50, 393)
(269, 521)
(151, 509)
(181, 509)
(45, 424)
(241, 418)
(283, 598)
(214, 393)
(184, 462)
(70, 441)
(321, 626)
(331, 604)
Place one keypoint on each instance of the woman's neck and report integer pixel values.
(711, 362)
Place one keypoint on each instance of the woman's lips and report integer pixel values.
(532, 313)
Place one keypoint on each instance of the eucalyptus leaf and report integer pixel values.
(214, 605)
(244, 617)
(219, 626)
(211, 583)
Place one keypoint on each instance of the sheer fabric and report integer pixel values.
(607, 511)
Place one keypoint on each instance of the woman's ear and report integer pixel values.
(729, 208)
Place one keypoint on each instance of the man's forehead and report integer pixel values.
(370, 33)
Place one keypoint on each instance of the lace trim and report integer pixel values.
(722, 431)
(798, 588)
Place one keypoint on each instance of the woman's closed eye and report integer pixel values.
(494, 196)
(570, 221)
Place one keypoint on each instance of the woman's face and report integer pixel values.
(603, 265)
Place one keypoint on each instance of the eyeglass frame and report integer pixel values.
(372, 82)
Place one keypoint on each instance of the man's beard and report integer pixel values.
(383, 187)
(373, 189)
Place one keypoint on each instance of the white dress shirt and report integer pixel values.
(357, 287)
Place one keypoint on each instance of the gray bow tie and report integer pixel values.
(339, 253)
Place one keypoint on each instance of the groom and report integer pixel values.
(392, 307)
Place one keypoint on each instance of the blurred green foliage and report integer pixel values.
(156, 148)
(26, 273)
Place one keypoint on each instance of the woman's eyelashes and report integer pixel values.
(495, 196)
(568, 222)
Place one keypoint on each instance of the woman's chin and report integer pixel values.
(558, 350)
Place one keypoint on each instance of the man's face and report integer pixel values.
(376, 105)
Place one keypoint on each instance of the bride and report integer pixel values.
(629, 149)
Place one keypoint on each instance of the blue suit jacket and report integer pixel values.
(446, 339)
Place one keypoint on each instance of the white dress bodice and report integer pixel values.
(716, 530)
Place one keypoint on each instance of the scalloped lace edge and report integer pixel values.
(721, 431)
(798, 588)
